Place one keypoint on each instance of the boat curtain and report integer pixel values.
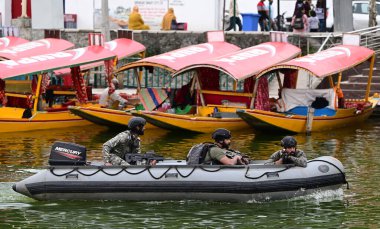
(248, 85)
(2, 92)
(209, 79)
(44, 83)
(290, 78)
(79, 84)
(109, 66)
(262, 95)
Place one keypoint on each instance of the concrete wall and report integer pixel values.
(157, 42)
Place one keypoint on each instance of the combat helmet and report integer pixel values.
(221, 134)
(288, 142)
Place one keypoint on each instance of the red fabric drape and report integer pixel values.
(44, 83)
(79, 85)
(290, 78)
(209, 79)
(2, 92)
(248, 85)
(109, 65)
(262, 96)
(34, 84)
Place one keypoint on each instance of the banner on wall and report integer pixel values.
(151, 11)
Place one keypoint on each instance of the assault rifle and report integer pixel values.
(142, 159)
(245, 159)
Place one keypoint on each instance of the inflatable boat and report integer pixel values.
(175, 180)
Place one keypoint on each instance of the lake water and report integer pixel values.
(358, 148)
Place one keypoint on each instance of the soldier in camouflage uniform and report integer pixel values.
(289, 154)
(222, 154)
(115, 149)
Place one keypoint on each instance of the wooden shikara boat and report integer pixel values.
(159, 68)
(24, 79)
(301, 109)
(221, 85)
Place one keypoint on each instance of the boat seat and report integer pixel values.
(302, 110)
(225, 115)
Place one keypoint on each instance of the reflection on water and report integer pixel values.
(357, 148)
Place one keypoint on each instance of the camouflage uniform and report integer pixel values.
(298, 157)
(216, 153)
(114, 150)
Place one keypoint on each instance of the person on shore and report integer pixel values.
(320, 9)
(127, 142)
(234, 16)
(300, 22)
(169, 21)
(300, 5)
(289, 154)
(313, 22)
(307, 5)
(135, 21)
(109, 98)
(264, 15)
(221, 154)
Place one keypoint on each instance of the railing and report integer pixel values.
(9, 31)
(316, 42)
(370, 38)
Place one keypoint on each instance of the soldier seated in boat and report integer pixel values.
(221, 153)
(110, 98)
(289, 154)
(127, 142)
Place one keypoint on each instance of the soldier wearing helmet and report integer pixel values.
(222, 154)
(289, 154)
(115, 149)
(110, 98)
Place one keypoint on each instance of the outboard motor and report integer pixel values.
(66, 153)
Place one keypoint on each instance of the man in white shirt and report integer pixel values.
(109, 98)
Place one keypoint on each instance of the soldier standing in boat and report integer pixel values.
(127, 142)
(221, 153)
(289, 154)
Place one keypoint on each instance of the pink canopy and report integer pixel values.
(329, 61)
(124, 47)
(121, 47)
(250, 61)
(6, 42)
(48, 45)
(47, 62)
(180, 58)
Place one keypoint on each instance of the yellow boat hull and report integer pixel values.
(104, 116)
(191, 123)
(11, 120)
(272, 121)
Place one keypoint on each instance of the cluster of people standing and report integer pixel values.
(308, 17)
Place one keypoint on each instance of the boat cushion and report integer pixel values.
(152, 98)
(302, 110)
(305, 97)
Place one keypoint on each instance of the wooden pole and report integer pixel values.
(368, 89)
(37, 95)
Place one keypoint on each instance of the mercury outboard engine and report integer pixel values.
(66, 153)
